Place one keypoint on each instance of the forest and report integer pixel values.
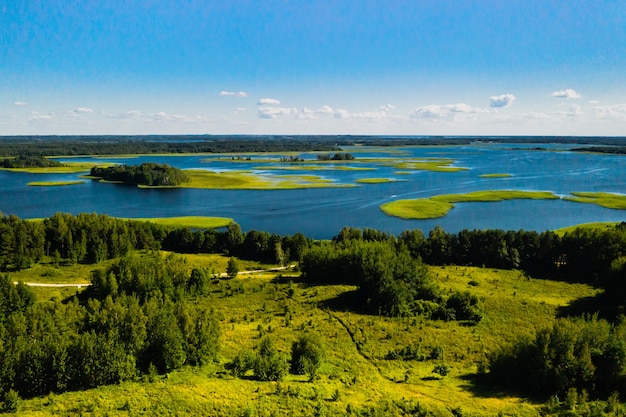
(29, 162)
(141, 316)
(149, 174)
(175, 144)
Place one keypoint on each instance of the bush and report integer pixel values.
(243, 362)
(269, 365)
(307, 354)
(10, 402)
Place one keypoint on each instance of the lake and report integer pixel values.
(322, 212)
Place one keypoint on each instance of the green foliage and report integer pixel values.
(307, 354)
(441, 369)
(243, 362)
(270, 365)
(150, 174)
(29, 162)
(232, 269)
(9, 401)
(574, 354)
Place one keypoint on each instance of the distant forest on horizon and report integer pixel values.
(49, 145)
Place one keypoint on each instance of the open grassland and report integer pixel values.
(356, 377)
(242, 180)
(196, 222)
(440, 205)
(53, 183)
(608, 200)
(594, 225)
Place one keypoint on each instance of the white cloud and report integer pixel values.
(20, 103)
(615, 111)
(325, 110)
(178, 118)
(233, 93)
(83, 110)
(387, 107)
(567, 93)
(240, 109)
(446, 111)
(594, 102)
(269, 102)
(572, 111)
(38, 116)
(503, 101)
(274, 112)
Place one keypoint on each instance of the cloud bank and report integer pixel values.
(503, 101)
(268, 102)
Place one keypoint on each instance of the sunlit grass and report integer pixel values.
(375, 180)
(196, 222)
(53, 183)
(355, 367)
(495, 175)
(238, 180)
(440, 205)
(594, 225)
(608, 200)
(424, 164)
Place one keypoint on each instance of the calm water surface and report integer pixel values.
(321, 213)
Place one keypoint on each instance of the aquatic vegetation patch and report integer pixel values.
(608, 200)
(496, 175)
(239, 180)
(53, 183)
(438, 206)
(376, 180)
(426, 164)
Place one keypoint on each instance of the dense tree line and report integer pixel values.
(92, 238)
(158, 144)
(145, 174)
(391, 282)
(134, 320)
(587, 356)
(29, 162)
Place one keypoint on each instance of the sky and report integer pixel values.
(298, 67)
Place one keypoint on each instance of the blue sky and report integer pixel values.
(313, 67)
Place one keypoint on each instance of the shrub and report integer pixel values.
(307, 354)
(269, 365)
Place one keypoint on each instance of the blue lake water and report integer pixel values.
(321, 213)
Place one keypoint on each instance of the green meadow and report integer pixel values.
(357, 377)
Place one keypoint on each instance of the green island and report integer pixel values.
(426, 164)
(53, 183)
(608, 200)
(375, 180)
(495, 175)
(246, 180)
(175, 320)
(440, 205)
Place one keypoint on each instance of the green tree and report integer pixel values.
(232, 269)
(307, 354)
(269, 365)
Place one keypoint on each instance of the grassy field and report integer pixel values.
(608, 200)
(67, 168)
(53, 183)
(594, 225)
(355, 376)
(440, 205)
(197, 222)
